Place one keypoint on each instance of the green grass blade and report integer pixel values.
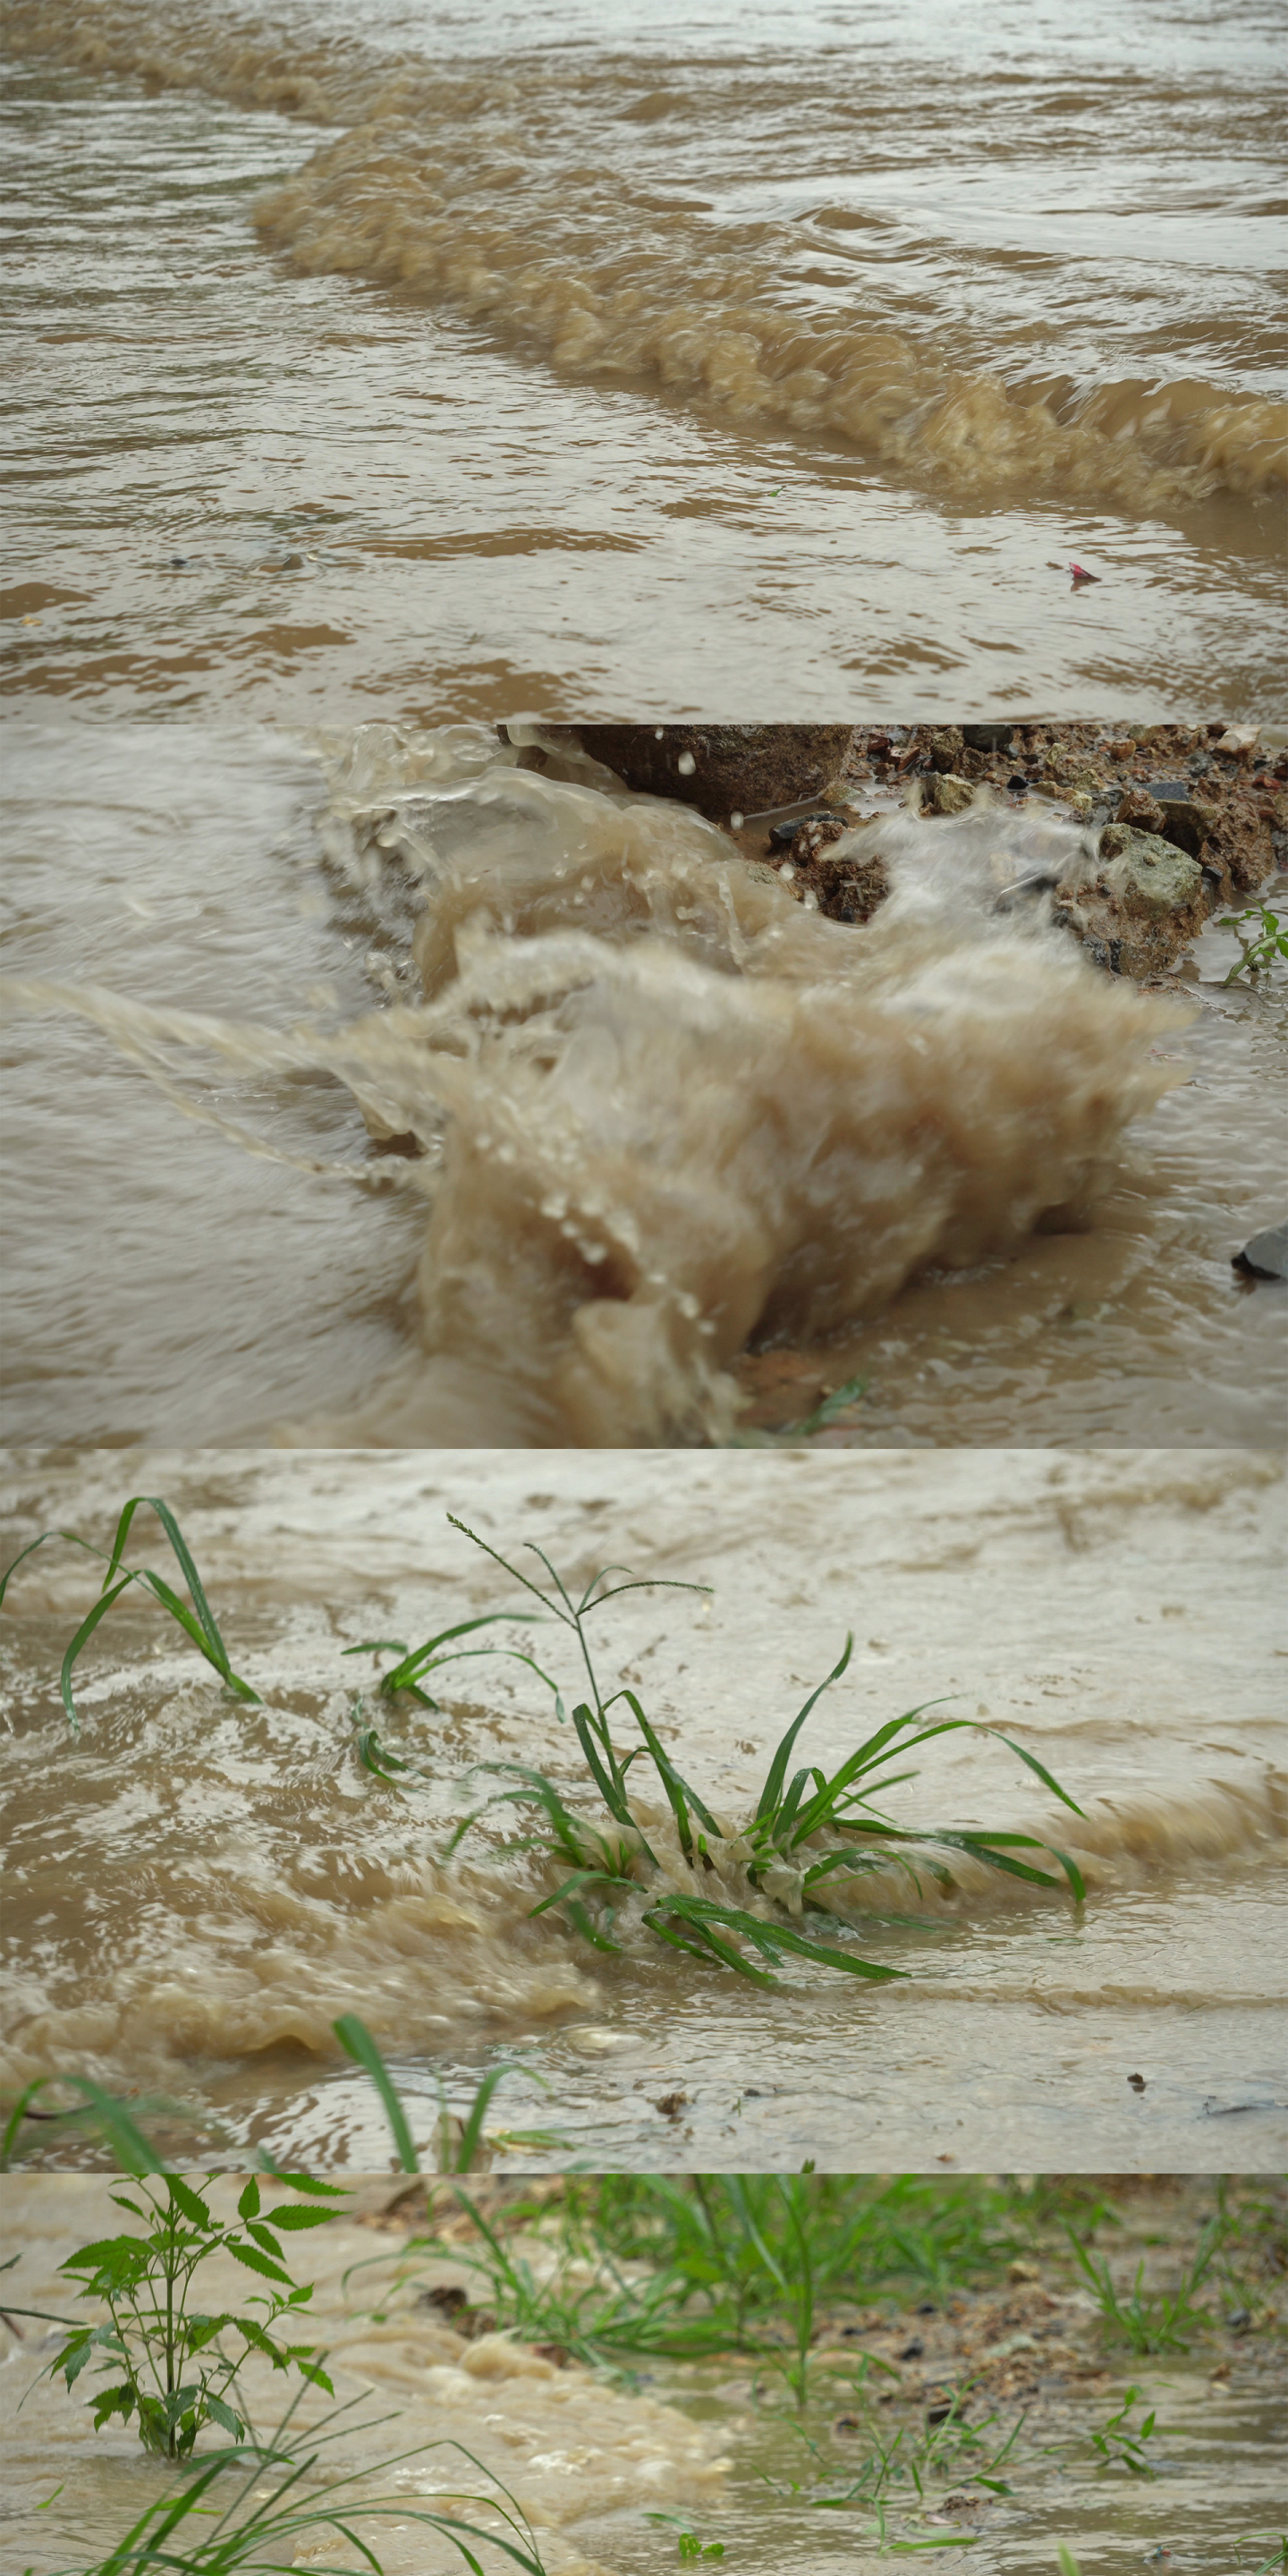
(356, 2040)
(187, 1567)
(991, 1849)
(82, 1638)
(547, 1604)
(773, 1788)
(419, 1658)
(30, 1550)
(868, 1756)
(681, 1796)
(1033, 1764)
(642, 1583)
(473, 2129)
(134, 2152)
(701, 1942)
(608, 1784)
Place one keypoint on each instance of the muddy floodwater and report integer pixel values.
(609, 2474)
(566, 361)
(387, 1093)
(197, 1889)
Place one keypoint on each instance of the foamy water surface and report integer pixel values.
(197, 1889)
(661, 1111)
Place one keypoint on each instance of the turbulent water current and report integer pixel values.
(197, 1889)
(646, 1109)
(569, 362)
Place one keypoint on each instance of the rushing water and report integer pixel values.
(570, 365)
(196, 1890)
(610, 2475)
(664, 1111)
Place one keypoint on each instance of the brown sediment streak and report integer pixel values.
(666, 1107)
(462, 188)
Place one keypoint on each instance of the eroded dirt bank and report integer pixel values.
(1181, 820)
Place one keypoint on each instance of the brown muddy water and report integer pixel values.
(662, 1115)
(711, 2448)
(197, 1889)
(731, 362)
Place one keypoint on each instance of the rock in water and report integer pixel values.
(1148, 874)
(1266, 1254)
(945, 794)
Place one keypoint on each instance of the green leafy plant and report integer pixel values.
(1122, 2445)
(173, 2372)
(1260, 947)
(1153, 2322)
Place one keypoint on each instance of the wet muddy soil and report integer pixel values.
(996, 2387)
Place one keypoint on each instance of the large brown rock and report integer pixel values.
(722, 769)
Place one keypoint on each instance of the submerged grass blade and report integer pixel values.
(133, 2151)
(356, 2040)
(419, 1659)
(700, 1914)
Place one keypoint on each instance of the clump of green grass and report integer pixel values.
(632, 2268)
(809, 1827)
(1157, 2321)
(810, 1832)
(197, 1622)
(255, 2506)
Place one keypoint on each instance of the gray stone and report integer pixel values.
(1266, 1254)
(946, 795)
(1148, 874)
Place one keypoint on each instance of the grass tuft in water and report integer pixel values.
(1159, 2321)
(272, 2505)
(808, 1828)
(811, 1830)
(198, 1622)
